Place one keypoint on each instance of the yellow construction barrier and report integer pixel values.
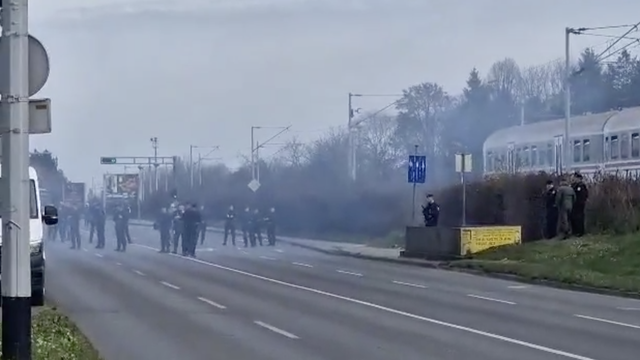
(478, 238)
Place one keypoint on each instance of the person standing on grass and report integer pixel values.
(578, 212)
(551, 211)
(565, 199)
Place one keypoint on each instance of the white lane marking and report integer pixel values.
(85, 250)
(138, 272)
(267, 258)
(348, 273)
(409, 284)
(491, 299)
(386, 309)
(98, 255)
(607, 321)
(119, 264)
(276, 330)
(212, 303)
(628, 309)
(244, 252)
(302, 264)
(169, 285)
(518, 286)
(279, 251)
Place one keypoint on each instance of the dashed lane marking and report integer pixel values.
(268, 258)
(461, 328)
(212, 303)
(98, 255)
(409, 284)
(491, 299)
(632, 326)
(302, 264)
(276, 330)
(349, 273)
(138, 272)
(170, 285)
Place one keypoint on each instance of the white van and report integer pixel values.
(39, 217)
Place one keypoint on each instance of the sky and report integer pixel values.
(202, 72)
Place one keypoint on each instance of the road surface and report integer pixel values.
(287, 303)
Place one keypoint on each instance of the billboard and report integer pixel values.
(74, 193)
(123, 185)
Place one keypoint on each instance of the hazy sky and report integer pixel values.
(202, 72)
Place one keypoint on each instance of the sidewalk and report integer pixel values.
(337, 248)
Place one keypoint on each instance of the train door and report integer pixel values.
(558, 154)
(511, 160)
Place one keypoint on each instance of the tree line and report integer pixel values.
(309, 185)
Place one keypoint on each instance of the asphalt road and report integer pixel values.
(292, 303)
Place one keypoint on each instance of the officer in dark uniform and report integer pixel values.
(245, 223)
(578, 211)
(74, 227)
(270, 225)
(127, 216)
(431, 212)
(551, 211)
(178, 228)
(163, 225)
(230, 226)
(255, 228)
(120, 225)
(191, 223)
(98, 221)
(203, 225)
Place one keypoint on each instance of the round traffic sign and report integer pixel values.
(38, 66)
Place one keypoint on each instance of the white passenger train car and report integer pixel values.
(607, 141)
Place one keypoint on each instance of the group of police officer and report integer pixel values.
(565, 206)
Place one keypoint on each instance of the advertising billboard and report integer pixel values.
(123, 185)
(74, 193)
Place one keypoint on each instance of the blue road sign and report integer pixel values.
(417, 169)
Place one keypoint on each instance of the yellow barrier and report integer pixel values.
(478, 238)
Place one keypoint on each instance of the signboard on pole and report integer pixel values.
(417, 169)
(122, 185)
(74, 194)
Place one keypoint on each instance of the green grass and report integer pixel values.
(55, 337)
(608, 262)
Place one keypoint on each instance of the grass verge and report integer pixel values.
(605, 262)
(55, 337)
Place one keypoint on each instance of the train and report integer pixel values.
(604, 142)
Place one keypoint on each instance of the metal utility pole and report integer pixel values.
(191, 163)
(16, 263)
(154, 144)
(254, 184)
(567, 99)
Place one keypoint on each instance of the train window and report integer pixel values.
(586, 150)
(624, 146)
(525, 156)
(534, 156)
(549, 154)
(635, 145)
(577, 151)
(615, 147)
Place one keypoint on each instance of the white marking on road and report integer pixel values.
(302, 264)
(86, 250)
(386, 309)
(244, 252)
(267, 258)
(409, 284)
(276, 330)
(518, 286)
(491, 299)
(98, 255)
(628, 309)
(119, 264)
(349, 273)
(138, 272)
(607, 321)
(212, 303)
(279, 251)
(169, 285)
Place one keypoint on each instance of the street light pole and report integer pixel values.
(257, 146)
(16, 264)
(154, 144)
(567, 99)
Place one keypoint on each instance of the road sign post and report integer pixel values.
(416, 174)
(463, 165)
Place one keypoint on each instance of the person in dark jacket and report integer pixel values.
(191, 223)
(431, 212)
(163, 225)
(578, 211)
(230, 226)
(551, 211)
(245, 224)
(120, 225)
(270, 226)
(565, 200)
(127, 216)
(98, 222)
(255, 225)
(75, 215)
(178, 228)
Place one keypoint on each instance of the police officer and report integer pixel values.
(98, 221)
(127, 216)
(120, 225)
(163, 225)
(578, 212)
(245, 223)
(431, 212)
(255, 224)
(551, 211)
(191, 223)
(565, 200)
(203, 225)
(230, 226)
(74, 226)
(178, 228)
(270, 225)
